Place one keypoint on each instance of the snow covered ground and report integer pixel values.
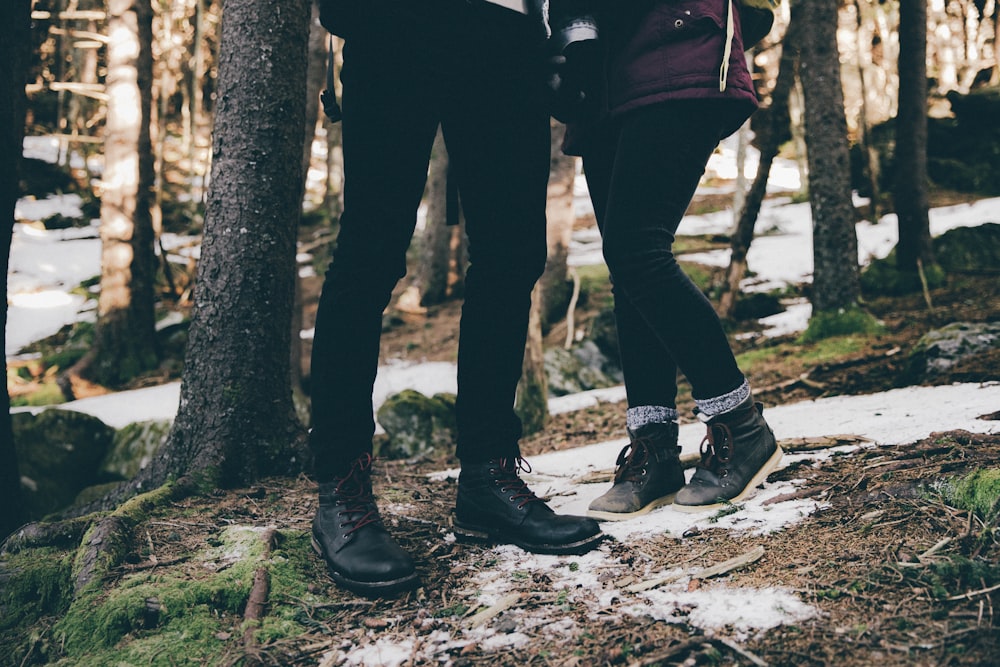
(47, 265)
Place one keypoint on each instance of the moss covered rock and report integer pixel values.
(58, 452)
(939, 350)
(417, 424)
(133, 447)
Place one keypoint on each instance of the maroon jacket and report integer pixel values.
(662, 50)
(675, 49)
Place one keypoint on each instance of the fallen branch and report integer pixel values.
(260, 591)
(972, 594)
(503, 604)
(751, 556)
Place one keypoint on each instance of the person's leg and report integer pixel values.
(386, 151)
(386, 144)
(662, 153)
(648, 470)
(497, 134)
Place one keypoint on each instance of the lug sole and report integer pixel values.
(623, 516)
(483, 535)
(374, 588)
(747, 491)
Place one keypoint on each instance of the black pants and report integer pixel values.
(473, 70)
(642, 175)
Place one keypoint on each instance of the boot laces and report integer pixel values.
(716, 448)
(508, 480)
(631, 461)
(355, 492)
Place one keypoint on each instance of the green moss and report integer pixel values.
(39, 584)
(103, 627)
(883, 278)
(818, 352)
(48, 393)
(843, 322)
(977, 492)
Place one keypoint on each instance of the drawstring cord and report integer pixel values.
(728, 51)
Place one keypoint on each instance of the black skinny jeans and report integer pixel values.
(642, 175)
(473, 70)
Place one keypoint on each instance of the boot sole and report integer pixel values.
(481, 535)
(747, 491)
(622, 516)
(376, 588)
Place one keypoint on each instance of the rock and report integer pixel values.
(570, 372)
(939, 350)
(133, 448)
(58, 453)
(417, 424)
(969, 248)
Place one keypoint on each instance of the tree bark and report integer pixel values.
(531, 403)
(835, 242)
(910, 186)
(15, 34)
(435, 240)
(560, 215)
(236, 419)
(125, 341)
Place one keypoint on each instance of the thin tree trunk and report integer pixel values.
(910, 191)
(560, 215)
(868, 151)
(125, 342)
(531, 402)
(835, 243)
(15, 34)
(772, 131)
(435, 240)
(236, 419)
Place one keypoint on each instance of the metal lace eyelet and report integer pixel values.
(678, 23)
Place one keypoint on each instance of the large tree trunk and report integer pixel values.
(125, 343)
(236, 419)
(910, 191)
(835, 241)
(560, 215)
(15, 33)
(772, 131)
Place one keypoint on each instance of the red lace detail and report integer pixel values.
(511, 482)
(716, 448)
(631, 460)
(355, 491)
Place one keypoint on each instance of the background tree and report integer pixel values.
(560, 216)
(772, 126)
(914, 251)
(15, 34)
(441, 263)
(125, 341)
(236, 419)
(835, 243)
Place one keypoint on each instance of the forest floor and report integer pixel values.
(897, 576)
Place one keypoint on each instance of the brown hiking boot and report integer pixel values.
(738, 453)
(647, 476)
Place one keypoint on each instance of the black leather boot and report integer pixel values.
(737, 455)
(647, 476)
(495, 505)
(347, 532)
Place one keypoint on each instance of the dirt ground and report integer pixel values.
(898, 576)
